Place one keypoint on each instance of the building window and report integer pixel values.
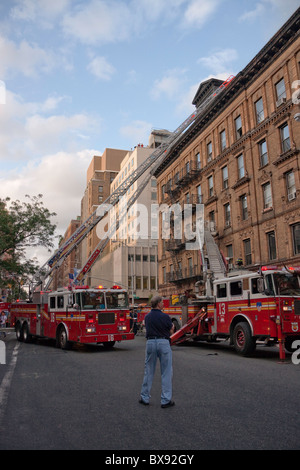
(209, 152)
(241, 168)
(280, 89)
(229, 250)
(227, 214)
(296, 238)
(152, 282)
(190, 266)
(223, 140)
(272, 246)
(285, 138)
(267, 193)
(247, 251)
(263, 152)
(290, 185)
(138, 282)
(198, 161)
(210, 186)
(244, 207)
(145, 282)
(187, 168)
(100, 189)
(163, 192)
(238, 127)
(225, 177)
(259, 108)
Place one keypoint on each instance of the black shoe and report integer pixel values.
(143, 402)
(167, 405)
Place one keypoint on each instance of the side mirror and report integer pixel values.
(76, 307)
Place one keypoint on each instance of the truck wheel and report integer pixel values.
(176, 325)
(109, 344)
(19, 332)
(25, 333)
(243, 342)
(62, 338)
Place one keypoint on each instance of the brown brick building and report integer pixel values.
(240, 158)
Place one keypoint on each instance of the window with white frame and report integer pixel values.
(259, 108)
(238, 127)
(241, 167)
(225, 176)
(290, 185)
(267, 195)
(280, 89)
(263, 152)
(285, 138)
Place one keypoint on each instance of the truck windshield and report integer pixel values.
(116, 300)
(286, 284)
(92, 300)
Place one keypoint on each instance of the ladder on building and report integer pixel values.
(148, 168)
(216, 262)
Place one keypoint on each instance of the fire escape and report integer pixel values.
(175, 246)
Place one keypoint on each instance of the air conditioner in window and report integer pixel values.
(280, 102)
(292, 196)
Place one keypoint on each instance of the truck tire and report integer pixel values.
(243, 341)
(108, 344)
(19, 332)
(62, 338)
(25, 333)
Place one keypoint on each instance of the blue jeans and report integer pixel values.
(158, 348)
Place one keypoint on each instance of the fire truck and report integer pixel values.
(69, 321)
(247, 307)
(81, 315)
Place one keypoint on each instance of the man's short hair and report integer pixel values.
(155, 301)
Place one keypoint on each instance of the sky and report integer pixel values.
(79, 76)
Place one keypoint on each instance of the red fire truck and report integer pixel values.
(82, 315)
(247, 307)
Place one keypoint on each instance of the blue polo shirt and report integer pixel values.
(158, 324)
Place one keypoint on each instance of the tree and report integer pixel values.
(22, 225)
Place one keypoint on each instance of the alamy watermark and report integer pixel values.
(177, 223)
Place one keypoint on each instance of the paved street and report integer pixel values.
(87, 398)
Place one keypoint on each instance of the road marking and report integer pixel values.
(5, 384)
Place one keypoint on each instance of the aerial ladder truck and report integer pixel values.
(90, 315)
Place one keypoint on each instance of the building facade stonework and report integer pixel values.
(240, 158)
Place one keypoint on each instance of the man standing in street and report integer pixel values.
(159, 327)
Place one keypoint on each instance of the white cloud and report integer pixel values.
(99, 22)
(263, 8)
(60, 177)
(169, 85)
(26, 59)
(42, 12)
(101, 68)
(198, 12)
(27, 131)
(137, 132)
(219, 61)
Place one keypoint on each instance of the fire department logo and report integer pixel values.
(258, 306)
(295, 326)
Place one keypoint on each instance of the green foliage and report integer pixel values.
(22, 225)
